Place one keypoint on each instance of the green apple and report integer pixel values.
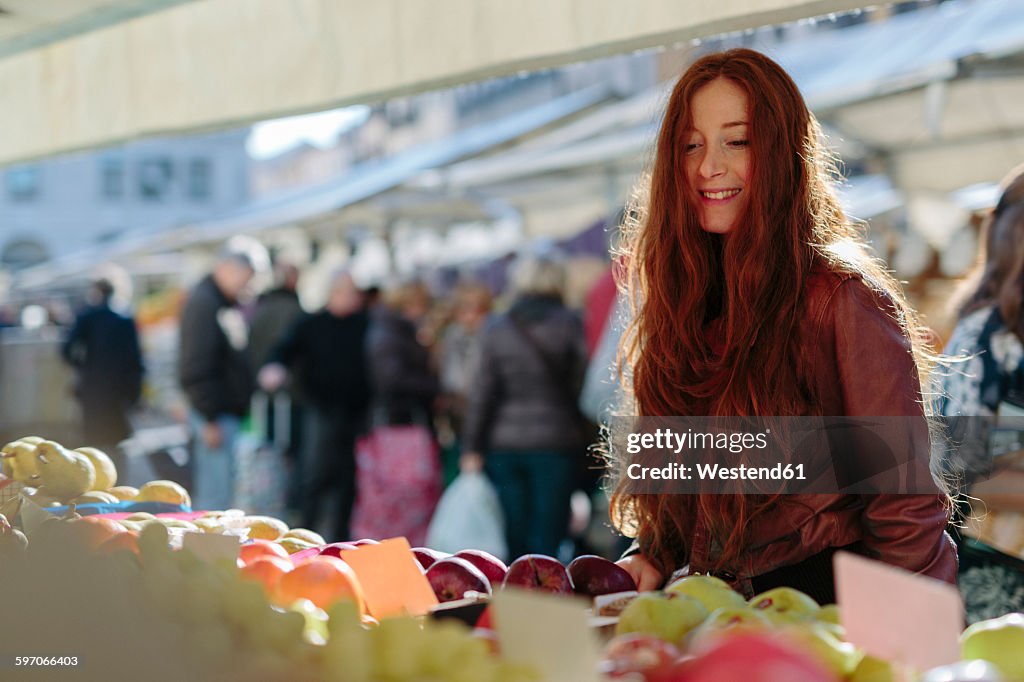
(727, 618)
(785, 604)
(871, 669)
(841, 657)
(829, 614)
(710, 591)
(999, 641)
(666, 616)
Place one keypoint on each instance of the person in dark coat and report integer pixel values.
(522, 424)
(404, 384)
(274, 314)
(326, 354)
(214, 373)
(103, 347)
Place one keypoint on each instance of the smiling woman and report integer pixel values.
(755, 296)
(717, 154)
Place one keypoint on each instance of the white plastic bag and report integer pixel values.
(469, 517)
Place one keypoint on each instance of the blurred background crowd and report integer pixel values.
(254, 311)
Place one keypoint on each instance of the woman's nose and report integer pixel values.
(711, 165)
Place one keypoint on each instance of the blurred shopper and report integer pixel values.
(214, 373)
(398, 469)
(522, 422)
(990, 384)
(275, 312)
(405, 385)
(326, 354)
(458, 348)
(103, 347)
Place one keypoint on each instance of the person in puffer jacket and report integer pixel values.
(522, 421)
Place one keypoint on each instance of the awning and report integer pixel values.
(222, 63)
(317, 203)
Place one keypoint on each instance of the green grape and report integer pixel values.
(398, 644)
(444, 642)
(315, 631)
(153, 544)
(213, 644)
(245, 604)
(346, 656)
(516, 672)
(279, 630)
(343, 616)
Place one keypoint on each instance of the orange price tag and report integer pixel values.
(391, 579)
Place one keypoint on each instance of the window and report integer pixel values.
(23, 183)
(112, 178)
(22, 253)
(155, 178)
(199, 179)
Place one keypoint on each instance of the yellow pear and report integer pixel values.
(264, 527)
(125, 493)
(293, 545)
(177, 523)
(19, 458)
(63, 474)
(164, 491)
(41, 499)
(139, 517)
(307, 535)
(106, 472)
(95, 497)
(209, 525)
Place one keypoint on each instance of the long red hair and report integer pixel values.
(750, 281)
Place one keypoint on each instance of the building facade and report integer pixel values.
(57, 206)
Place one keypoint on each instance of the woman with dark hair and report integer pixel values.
(753, 296)
(987, 382)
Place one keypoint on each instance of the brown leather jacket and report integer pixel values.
(859, 362)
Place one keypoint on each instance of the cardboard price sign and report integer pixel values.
(391, 579)
(212, 546)
(548, 632)
(896, 615)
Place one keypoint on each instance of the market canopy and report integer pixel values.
(77, 75)
(935, 96)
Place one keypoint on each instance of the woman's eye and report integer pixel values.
(739, 143)
(692, 147)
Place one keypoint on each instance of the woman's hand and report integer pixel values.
(644, 574)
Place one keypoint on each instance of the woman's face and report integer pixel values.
(718, 154)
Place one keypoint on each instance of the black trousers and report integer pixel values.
(329, 465)
(812, 576)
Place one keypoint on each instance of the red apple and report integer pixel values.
(427, 556)
(484, 621)
(540, 573)
(364, 541)
(752, 657)
(490, 637)
(336, 548)
(490, 565)
(593, 575)
(452, 578)
(638, 653)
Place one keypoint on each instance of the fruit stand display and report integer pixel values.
(131, 593)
